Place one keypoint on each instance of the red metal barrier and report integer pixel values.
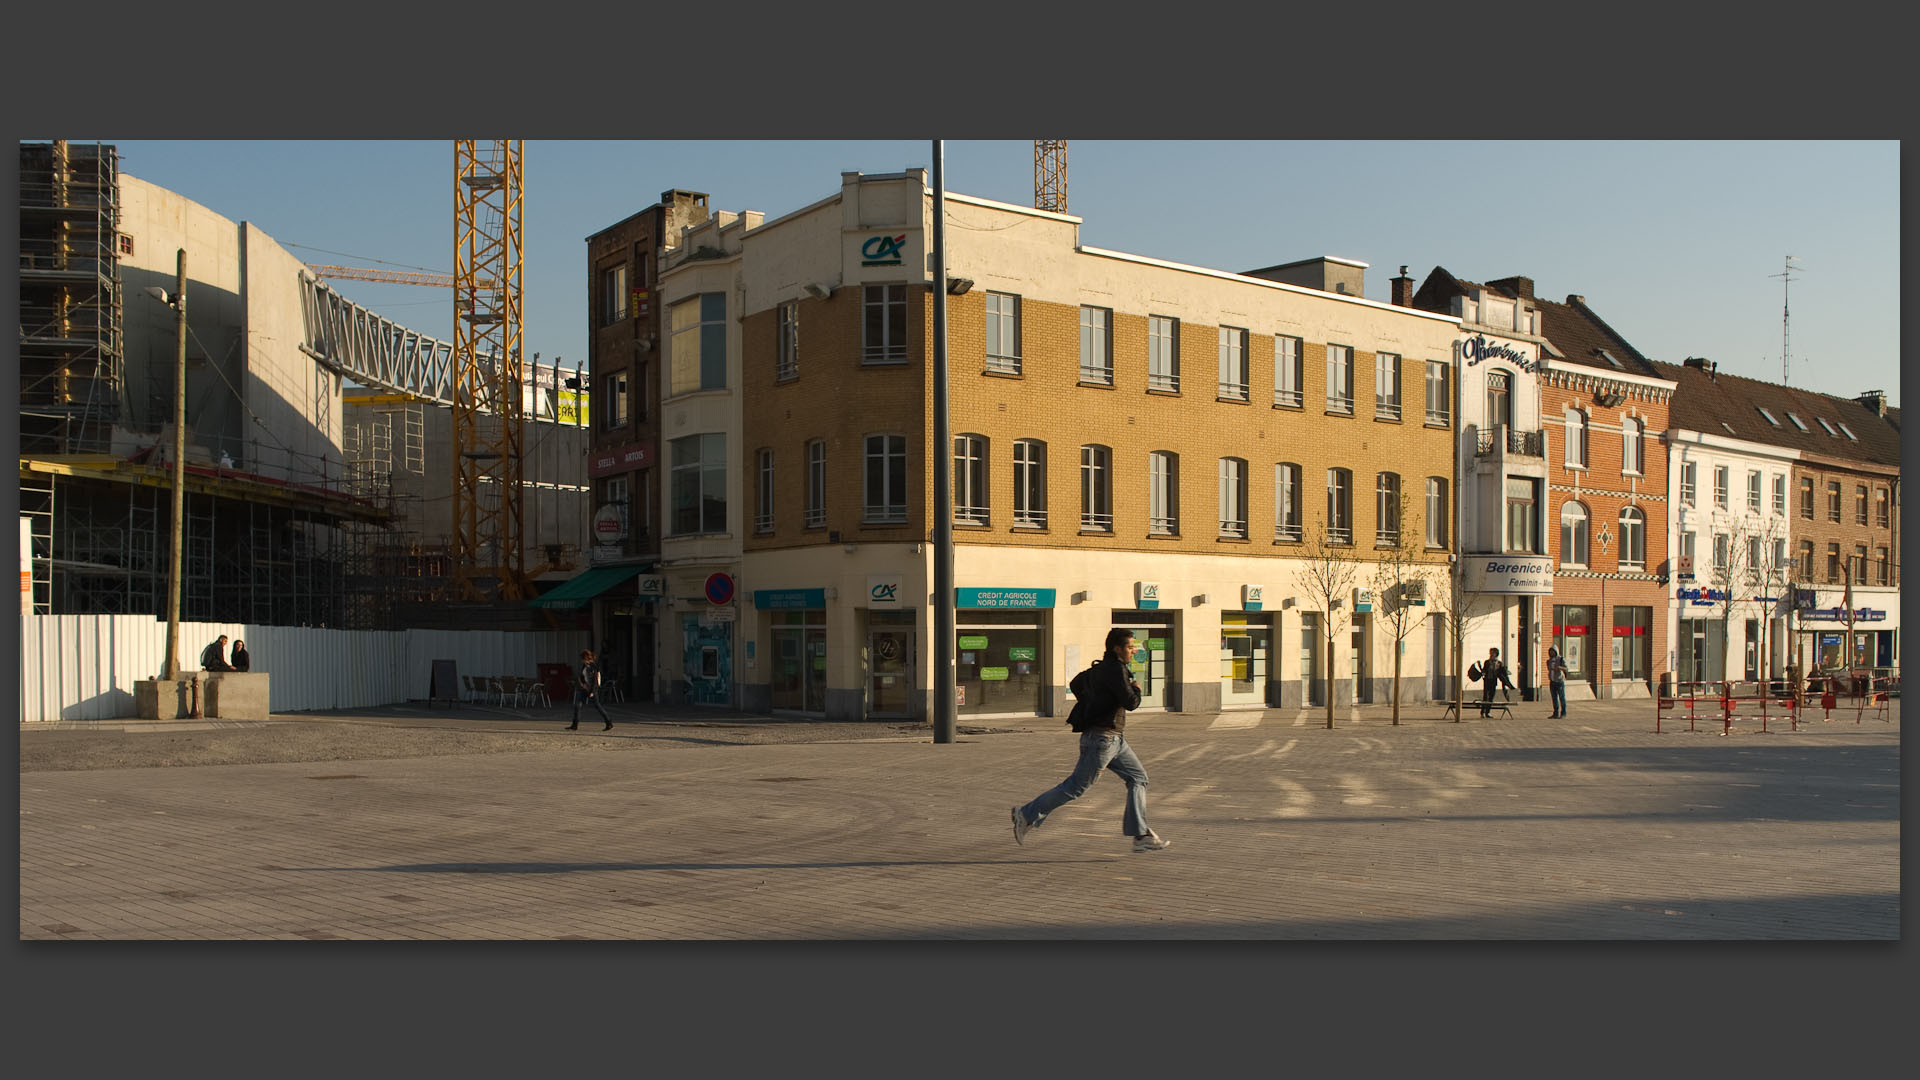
(1730, 700)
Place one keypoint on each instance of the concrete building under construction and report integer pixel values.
(308, 498)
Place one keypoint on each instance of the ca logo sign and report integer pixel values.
(883, 250)
(885, 593)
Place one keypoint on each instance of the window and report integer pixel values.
(1339, 506)
(1436, 512)
(1833, 562)
(763, 512)
(1288, 386)
(1163, 353)
(883, 333)
(1633, 539)
(1860, 563)
(1689, 476)
(699, 343)
(1806, 497)
(1796, 422)
(1573, 534)
(1779, 558)
(1882, 577)
(1686, 556)
(616, 400)
(1833, 502)
(1030, 483)
(1860, 504)
(1233, 363)
(1439, 394)
(613, 294)
(1523, 515)
(1827, 426)
(1003, 333)
(1806, 559)
(126, 244)
(1849, 432)
(1632, 439)
(816, 484)
(1576, 429)
(1340, 379)
(1720, 486)
(1233, 498)
(970, 505)
(1753, 490)
(1721, 551)
(1286, 502)
(1780, 494)
(1096, 346)
(1096, 488)
(1768, 415)
(885, 497)
(1756, 558)
(699, 484)
(1163, 493)
(1880, 507)
(788, 364)
(1386, 510)
(1499, 399)
(1386, 386)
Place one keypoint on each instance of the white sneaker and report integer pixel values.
(1151, 842)
(1020, 827)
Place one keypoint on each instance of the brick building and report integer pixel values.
(1136, 443)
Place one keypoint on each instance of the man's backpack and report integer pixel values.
(1085, 710)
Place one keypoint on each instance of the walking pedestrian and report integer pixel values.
(214, 656)
(1492, 673)
(242, 659)
(586, 687)
(1103, 694)
(1557, 683)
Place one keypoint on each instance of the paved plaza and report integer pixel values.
(1525, 828)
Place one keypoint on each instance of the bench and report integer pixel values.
(1500, 707)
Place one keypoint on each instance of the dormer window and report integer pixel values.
(1849, 431)
(1797, 422)
(1768, 415)
(1729, 428)
(1829, 427)
(1610, 358)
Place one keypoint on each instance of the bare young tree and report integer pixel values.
(1326, 575)
(1774, 573)
(1458, 609)
(1728, 576)
(1401, 583)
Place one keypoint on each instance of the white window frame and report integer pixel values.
(1340, 379)
(1163, 493)
(698, 360)
(1288, 383)
(1096, 488)
(1440, 390)
(1286, 501)
(1755, 495)
(1163, 353)
(816, 484)
(1720, 481)
(1633, 538)
(1437, 511)
(618, 413)
(1575, 424)
(787, 361)
(1632, 447)
(1386, 386)
(886, 506)
(614, 294)
(1780, 494)
(707, 475)
(1233, 498)
(1576, 534)
(1386, 509)
(1003, 333)
(1522, 516)
(763, 513)
(1096, 345)
(1233, 364)
(1690, 483)
(1340, 506)
(891, 303)
(972, 504)
(1029, 484)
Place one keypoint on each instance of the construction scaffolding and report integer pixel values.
(71, 351)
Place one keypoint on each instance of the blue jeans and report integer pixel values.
(1099, 749)
(582, 696)
(1559, 691)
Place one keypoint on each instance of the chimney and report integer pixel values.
(1403, 290)
(1875, 400)
(1576, 298)
(1702, 363)
(1519, 286)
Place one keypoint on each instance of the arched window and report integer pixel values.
(1576, 431)
(1573, 534)
(1286, 501)
(1633, 539)
(1339, 506)
(1030, 483)
(1386, 510)
(1499, 399)
(1631, 433)
(1096, 488)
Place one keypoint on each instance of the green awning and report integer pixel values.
(580, 590)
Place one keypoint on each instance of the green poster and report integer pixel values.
(1157, 644)
(1021, 652)
(973, 641)
(993, 674)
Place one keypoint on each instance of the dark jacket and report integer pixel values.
(588, 681)
(211, 660)
(1493, 672)
(1108, 690)
(242, 660)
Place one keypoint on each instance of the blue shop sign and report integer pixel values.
(1003, 598)
(789, 599)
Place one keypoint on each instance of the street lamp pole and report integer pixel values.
(170, 669)
(945, 707)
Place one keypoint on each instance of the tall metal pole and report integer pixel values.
(941, 652)
(170, 669)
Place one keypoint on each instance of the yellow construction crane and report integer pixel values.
(390, 277)
(1050, 175)
(489, 553)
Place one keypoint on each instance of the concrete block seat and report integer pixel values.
(236, 695)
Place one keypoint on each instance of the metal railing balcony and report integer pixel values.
(1512, 441)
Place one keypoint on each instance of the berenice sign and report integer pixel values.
(1508, 575)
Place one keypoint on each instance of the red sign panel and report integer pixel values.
(1629, 631)
(620, 459)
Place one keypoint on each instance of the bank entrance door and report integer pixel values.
(799, 676)
(890, 658)
(1153, 646)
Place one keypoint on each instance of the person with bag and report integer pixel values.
(586, 687)
(1557, 683)
(1103, 694)
(1491, 673)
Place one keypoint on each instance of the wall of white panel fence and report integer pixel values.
(83, 667)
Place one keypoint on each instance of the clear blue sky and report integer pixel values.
(1673, 243)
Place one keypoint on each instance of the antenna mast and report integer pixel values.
(1786, 282)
